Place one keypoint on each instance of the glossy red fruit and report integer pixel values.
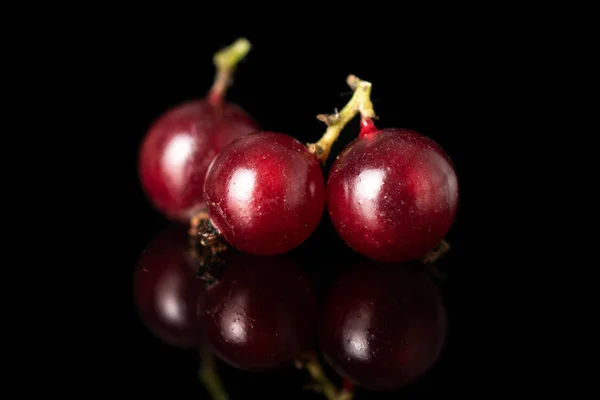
(260, 314)
(180, 145)
(265, 193)
(383, 326)
(392, 194)
(167, 293)
(178, 149)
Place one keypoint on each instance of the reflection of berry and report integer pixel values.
(260, 313)
(383, 325)
(167, 292)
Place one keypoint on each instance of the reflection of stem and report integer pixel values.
(348, 387)
(209, 376)
(311, 364)
(436, 253)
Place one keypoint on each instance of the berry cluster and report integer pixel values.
(249, 196)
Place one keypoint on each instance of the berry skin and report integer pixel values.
(392, 194)
(383, 326)
(180, 145)
(265, 193)
(167, 293)
(260, 314)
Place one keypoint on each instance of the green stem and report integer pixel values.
(226, 61)
(209, 376)
(359, 103)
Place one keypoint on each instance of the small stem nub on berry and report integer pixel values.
(367, 127)
(359, 103)
(226, 61)
(202, 230)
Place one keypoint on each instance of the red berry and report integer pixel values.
(180, 145)
(383, 326)
(260, 313)
(167, 292)
(265, 193)
(392, 195)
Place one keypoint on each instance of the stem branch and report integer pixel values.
(359, 103)
(226, 61)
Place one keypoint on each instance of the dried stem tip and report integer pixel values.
(230, 56)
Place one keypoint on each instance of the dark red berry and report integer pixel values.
(265, 193)
(383, 326)
(168, 295)
(180, 145)
(260, 313)
(392, 194)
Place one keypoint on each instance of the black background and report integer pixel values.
(284, 82)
